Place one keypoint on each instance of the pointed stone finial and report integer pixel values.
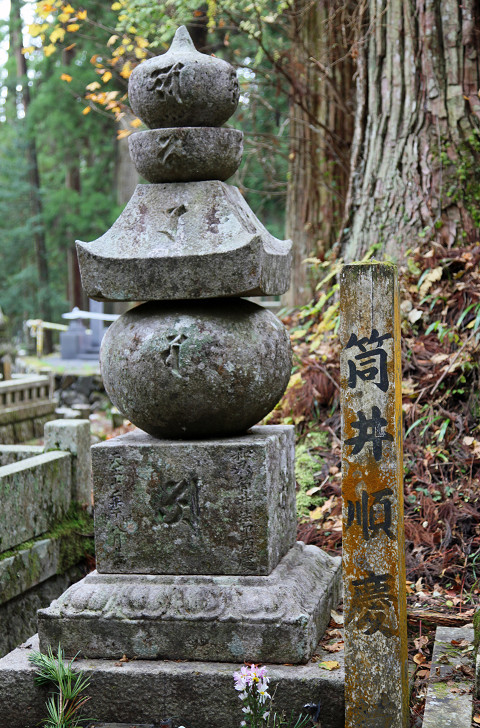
(183, 87)
(182, 42)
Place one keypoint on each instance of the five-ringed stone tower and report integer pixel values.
(194, 512)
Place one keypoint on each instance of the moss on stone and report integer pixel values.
(307, 464)
(440, 689)
(75, 535)
(476, 628)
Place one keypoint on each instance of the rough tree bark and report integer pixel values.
(415, 153)
(75, 293)
(16, 48)
(321, 129)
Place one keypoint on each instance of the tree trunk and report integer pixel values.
(321, 128)
(75, 293)
(36, 208)
(414, 164)
(126, 176)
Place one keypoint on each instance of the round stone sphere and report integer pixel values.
(183, 87)
(192, 369)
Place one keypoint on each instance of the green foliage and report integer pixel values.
(75, 533)
(254, 38)
(64, 707)
(70, 147)
(19, 293)
(463, 175)
(307, 468)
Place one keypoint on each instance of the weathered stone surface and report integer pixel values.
(7, 434)
(24, 431)
(449, 694)
(61, 549)
(183, 87)
(275, 618)
(40, 422)
(68, 413)
(73, 436)
(25, 390)
(27, 568)
(188, 154)
(18, 415)
(200, 693)
(15, 453)
(181, 241)
(194, 507)
(18, 616)
(34, 494)
(196, 369)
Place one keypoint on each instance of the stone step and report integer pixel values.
(198, 693)
(121, 725)
(449, 693)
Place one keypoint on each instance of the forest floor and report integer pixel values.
(440, 311)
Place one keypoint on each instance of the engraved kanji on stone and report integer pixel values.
(365, 515)
(380, 715)
(371, 604)
(171, 354)
(370, 364)
(171, 216)
(117, 501)
(369, 430)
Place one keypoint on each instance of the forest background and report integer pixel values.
(362, 137)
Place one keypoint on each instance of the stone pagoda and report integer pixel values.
(195, 517)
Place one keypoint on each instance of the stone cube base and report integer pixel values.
(277, 618)
(195, 694)
(216, 506)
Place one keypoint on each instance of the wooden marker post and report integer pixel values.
(376, 668)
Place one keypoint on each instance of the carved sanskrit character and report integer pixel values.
(166, 82)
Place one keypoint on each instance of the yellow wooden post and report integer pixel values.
(40, 339)
(376, 661)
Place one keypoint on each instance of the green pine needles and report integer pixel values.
(64, 706)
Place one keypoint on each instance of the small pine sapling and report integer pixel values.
(65, 704)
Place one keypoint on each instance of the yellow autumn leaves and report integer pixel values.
(57, 19)
(67, 21)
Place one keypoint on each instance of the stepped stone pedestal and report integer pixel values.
(276, 618)
(195, 694)
(194, 522)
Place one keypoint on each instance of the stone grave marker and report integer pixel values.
(376, 677)
(195, 517)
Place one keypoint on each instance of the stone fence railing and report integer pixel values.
(26, 404)
(45, 496)
(29, 390)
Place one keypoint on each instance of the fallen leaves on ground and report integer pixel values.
(329, 665)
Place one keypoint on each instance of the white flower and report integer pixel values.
(262, 673)
(242, 678)
(247, 709)
(262, 688)
(240, 684)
